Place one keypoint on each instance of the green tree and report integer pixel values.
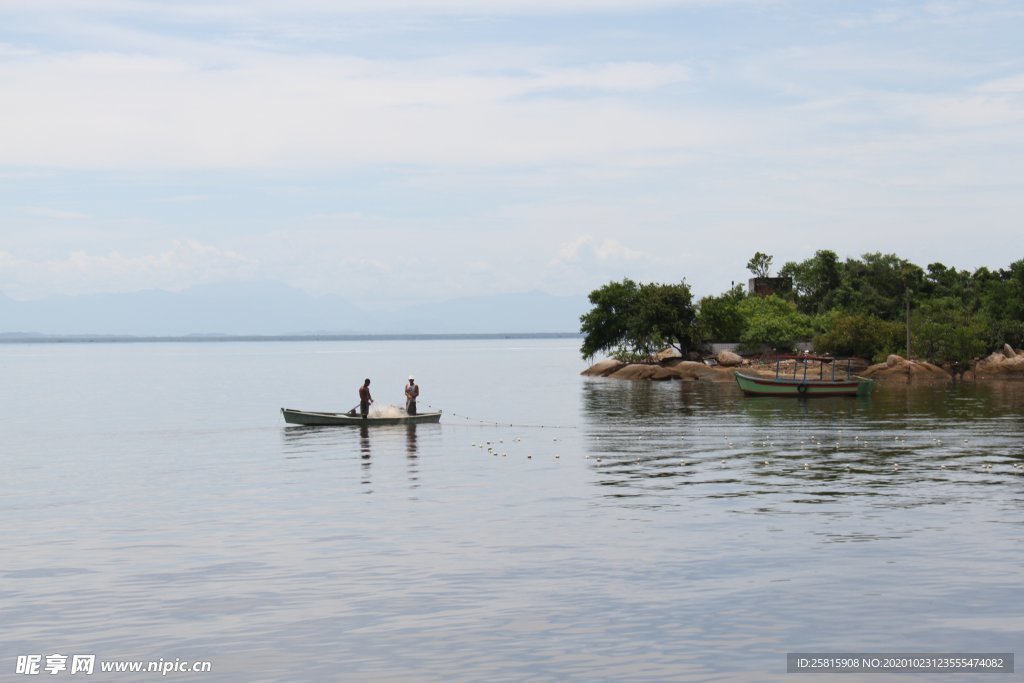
(941, 282)
(878, 285)
(857, 307)
(945, 331)
(609, 324)
(1000, 296)
(814, 281)
(858, 334)
(668, 313)
(773, 322)
(638, 319)
(719, 317)
(760, 264)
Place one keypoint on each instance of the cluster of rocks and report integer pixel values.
(899, 367)
(1004, 363)
(672, 368)
(669, 366)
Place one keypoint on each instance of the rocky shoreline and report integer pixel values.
(1005, 364)
(662, 370)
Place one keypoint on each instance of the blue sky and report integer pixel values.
(397, 151)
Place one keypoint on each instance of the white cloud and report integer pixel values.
(55, 214)
(182, 265)
(1010, 85)
(135, 111)
(241, 9)
(626, 76)
(447, 154)
(977, 111)
(185, 199)
(585, 262)
(586, 250)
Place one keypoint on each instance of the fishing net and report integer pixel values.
(386, 411)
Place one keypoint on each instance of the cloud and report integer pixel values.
(190, 104)
(182, 265)
(1009, 85)
(977, 111)
(586, 251)
(587, 262)
(440, 147)
(55, 214)
(235, 10)
(625, 76)
(133, 111)
(185, 199)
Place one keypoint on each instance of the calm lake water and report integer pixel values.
(155, 506)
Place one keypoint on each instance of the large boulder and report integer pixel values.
(899, 367)
(667, 354)
(728, 359)
(673, 368)
(999, 364)
(645, 371)
(691, 370)
(603, 368)
(1008, 351)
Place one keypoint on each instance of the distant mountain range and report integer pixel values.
(268, 308)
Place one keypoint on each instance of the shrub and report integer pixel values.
(858, 334)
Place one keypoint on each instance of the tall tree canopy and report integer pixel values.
(879, 285)
(815, 281)
(856, 306)
(638, 319)
(719, 318)
(772, 322)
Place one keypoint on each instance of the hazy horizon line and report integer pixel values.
(38, 338)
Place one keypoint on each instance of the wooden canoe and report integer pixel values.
(314, 419)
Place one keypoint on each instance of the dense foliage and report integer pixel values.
(862, 306)
(720, 317)
(772, 323)
(631, 320)
(857, 307)
(858, 334)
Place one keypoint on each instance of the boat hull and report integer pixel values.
(798, 388)
(313, 419)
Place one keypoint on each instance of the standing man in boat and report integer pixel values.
(412, 392)
(365, 399)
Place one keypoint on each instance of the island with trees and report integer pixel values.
(899, 319)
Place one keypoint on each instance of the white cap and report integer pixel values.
(411, 377)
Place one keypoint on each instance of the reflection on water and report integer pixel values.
(844, 522)
(666, 532)
(410, 435)
(364, 449)
(412, 456)
(300, 440)
(915, 446)
(364, 440)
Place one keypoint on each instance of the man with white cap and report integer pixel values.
(412, 391)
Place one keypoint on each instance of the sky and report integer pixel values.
(403, 151)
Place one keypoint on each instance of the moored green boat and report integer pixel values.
(802, 386)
